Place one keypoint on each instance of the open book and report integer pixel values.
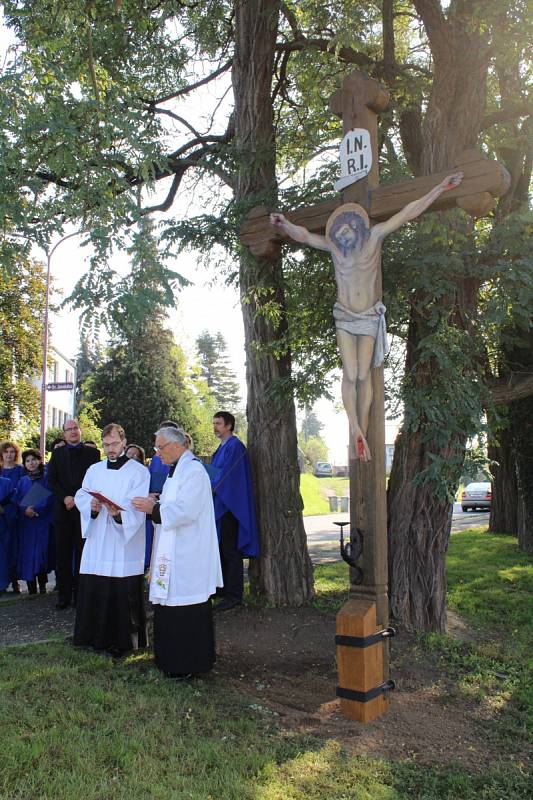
(103, 499)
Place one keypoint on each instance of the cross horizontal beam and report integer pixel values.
(484, 180)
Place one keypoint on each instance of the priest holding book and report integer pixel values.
(110, 615)
(185, 569)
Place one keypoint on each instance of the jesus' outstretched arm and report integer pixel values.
(413, 210)
(299, 233)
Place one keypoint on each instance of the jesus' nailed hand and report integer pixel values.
(355, 247)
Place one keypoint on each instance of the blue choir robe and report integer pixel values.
(231, 481)
(13, 475)
(8, 514)
(34, 532)
(158, 475)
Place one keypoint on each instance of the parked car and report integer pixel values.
(476, 495)
(323, 469)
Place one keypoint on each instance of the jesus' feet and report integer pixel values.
(362, 450)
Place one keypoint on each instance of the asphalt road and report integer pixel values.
(323, 535)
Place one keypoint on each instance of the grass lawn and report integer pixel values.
(490, 585)
(315, 491)
(75, 725)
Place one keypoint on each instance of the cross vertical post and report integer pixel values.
(358, 103)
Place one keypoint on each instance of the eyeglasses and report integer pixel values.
(158, 449)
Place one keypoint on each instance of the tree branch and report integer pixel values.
(346, 54)
(509, 112)
(517, 387)
(434, 21)
(184, 122)
(171, 196)
(291, 19)
(389, 47)
(191, 87)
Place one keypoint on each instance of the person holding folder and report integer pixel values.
(35, 504)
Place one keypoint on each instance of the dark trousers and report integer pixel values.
(69, 547)
(230, 558)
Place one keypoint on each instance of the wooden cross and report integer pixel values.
(358, 102)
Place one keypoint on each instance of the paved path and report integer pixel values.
(323, 535)
(25, 619)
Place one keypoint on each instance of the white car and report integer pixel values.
(323, 469)
(476, 495)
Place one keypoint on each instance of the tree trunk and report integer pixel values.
(419, 527)
(504, 506)
(419, 516)
(284, 571)
(521, 416)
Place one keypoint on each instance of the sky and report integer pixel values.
(200, 306)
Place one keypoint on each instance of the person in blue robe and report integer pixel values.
(12, 469)
(158, 474)
(8, 515)
(233, 498)
(35, 517)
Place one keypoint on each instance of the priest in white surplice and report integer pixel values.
(185, 567)
(110, 614)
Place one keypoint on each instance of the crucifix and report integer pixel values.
(343, 228)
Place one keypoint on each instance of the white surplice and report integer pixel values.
(112, 549)
(185, 562)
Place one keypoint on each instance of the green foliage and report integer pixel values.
(124, 302)
(490, 583)
(89, 420)
(22, 299)
(476, 463)
(51, 435)
(314, 449)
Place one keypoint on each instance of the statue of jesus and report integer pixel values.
(359, 314)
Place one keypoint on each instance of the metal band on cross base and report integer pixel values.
(365, 697)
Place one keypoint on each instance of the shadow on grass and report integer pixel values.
(77, 725)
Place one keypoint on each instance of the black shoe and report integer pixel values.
(62, 605)
(227, 604)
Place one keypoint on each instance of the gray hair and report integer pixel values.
(173, 435)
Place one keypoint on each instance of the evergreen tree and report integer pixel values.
(144, 380)
(215, 369)
(311, 425)
(88, 358)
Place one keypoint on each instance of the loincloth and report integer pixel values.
(365, 323)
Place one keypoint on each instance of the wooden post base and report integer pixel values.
(360, 667)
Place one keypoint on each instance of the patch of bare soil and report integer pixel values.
(284, 660)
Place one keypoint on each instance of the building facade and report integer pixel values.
(60, 389)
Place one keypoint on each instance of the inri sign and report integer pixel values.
(355, 155)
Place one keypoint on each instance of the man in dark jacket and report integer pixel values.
(66, 472)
